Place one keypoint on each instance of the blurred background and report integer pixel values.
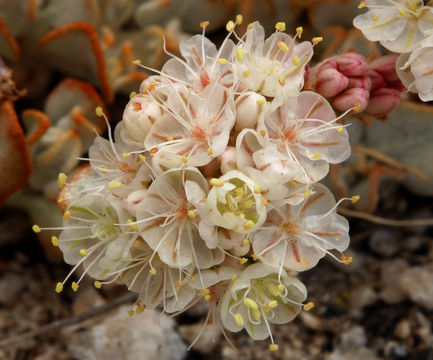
(63, 58)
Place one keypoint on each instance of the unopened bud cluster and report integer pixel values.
(209, 190)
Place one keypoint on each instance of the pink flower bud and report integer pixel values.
(228, 159)
(328, 64)
(248, 107)
(383, 101)
(331, 82)
(352, 64)
(377, 80)
(351, 98)
(361, 82)
(385, 66)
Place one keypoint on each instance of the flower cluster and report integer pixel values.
(209, 190)
(405, 27)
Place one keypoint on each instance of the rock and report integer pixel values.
(208, 339)
(384, 242)
(361, 353)
(311, 321)
(417, 284)
(145, 336)
(362, 296)
(391, 271)
(86, 300)
(422, 354)
(402, 329)
(353, 338)
(395, 350)
(10, 286)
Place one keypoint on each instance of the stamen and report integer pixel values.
(251, 304)
(308, 306)
(36, 229)
(204, 24)
(362, 4)
(317, 40)
(83, 252)
(230, 25)
(240, 55)
(59, 287)
(61, 180)
(273, 347)
(75, 286)
(54, 240)
(137, 62)
(281, 26)
(216, 182)
(97, 284)
(239, 320)
(299, 31)
(239, 19)
(355, 199)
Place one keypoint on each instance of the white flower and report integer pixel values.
(260, 297)
(297, 237)
(169, 222)
(195, 128)
(305, 132)
(203, 64)
(415, 70)
(398, 25)
(272, 65)
(235, 203)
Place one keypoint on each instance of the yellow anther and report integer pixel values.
(273, 289)
(67, 215)
(240, 55)
(282, 80)
(204, 291)
(245, 242)
(250, 26)
(239, 19)
(293, 184)
(131, 224)
(36, 229)
(114, 185)
(192, 277)
(230, 25)
(281, 26)
(61, 180)
(254, 257)
(170, 138)
(346, 259)
(251, 304)
(282, 46)
(222, 61)
(355, 199)
(179, 283)
(257, 189)
(216, 182)
(152, 271)
(207, 297)
(272, 304)
(274, 347)
(191, 214)
(75, 286)
(265, 201)
(262, 132)
(255, 313)
(299, 31)
(295, 60)
(60, 200)
(97, 284)
(234, 277)
(83, 252)
(137, 62)
(137, 244)
(153, 151)
(261, 101)
(340, 129)
(59, 287)
(212, 119)
(139, 309)
(375, 17)
(308, 193)
(308, 306)
(362, 4)
(99, 111)
(248, 225)
(239, 320)
(246, 73)
(132, 94)
(402, 12)
(209, 151)
(243, 260)
(126, 155)
(317, 40)
(357, 107)
(281, 287)
(304, 261)
(316, 156)
(204, 24)
(184, 159)
(55, 240)
(131, 312)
